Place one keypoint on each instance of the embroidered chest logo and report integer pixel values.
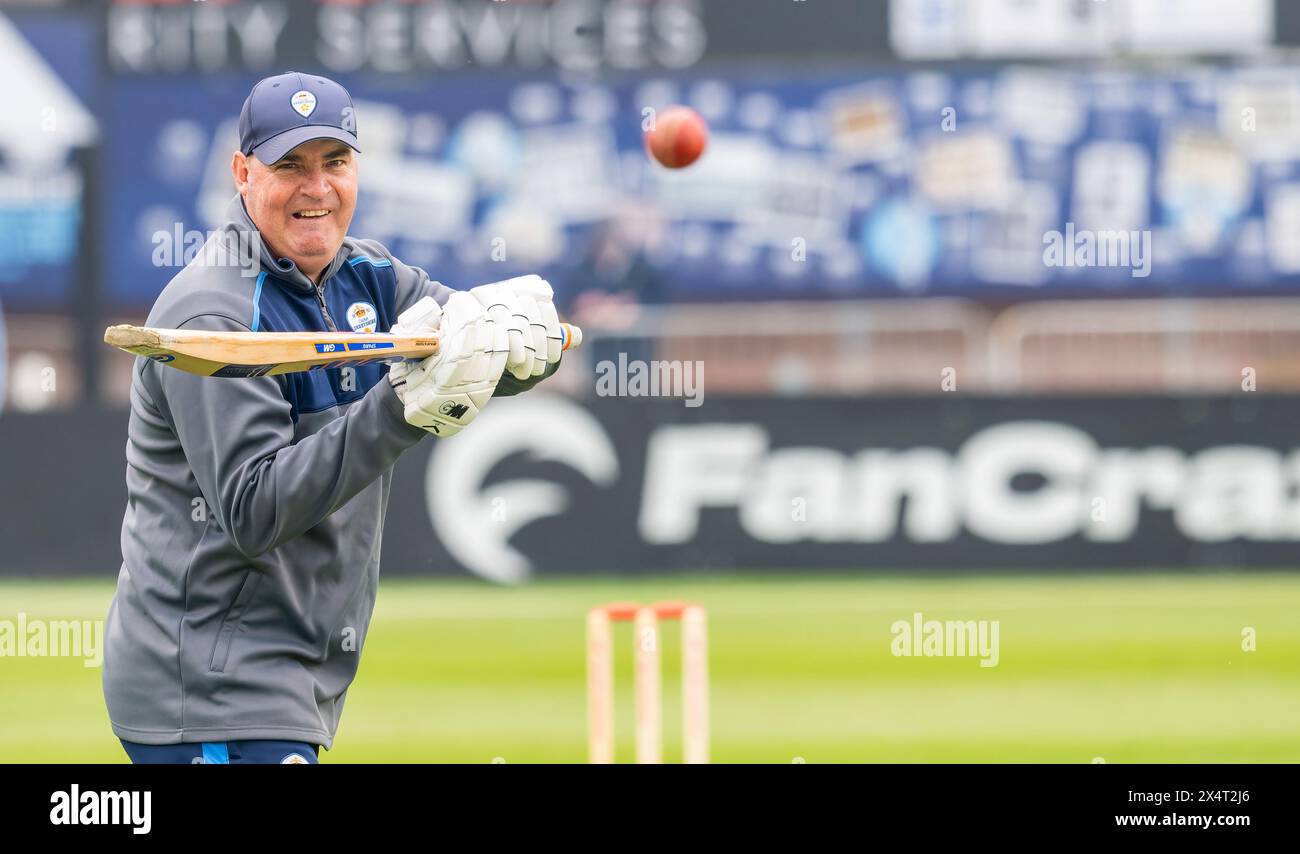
(362, 317)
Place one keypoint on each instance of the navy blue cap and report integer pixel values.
(291, 108)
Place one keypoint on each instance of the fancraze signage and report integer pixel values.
(619, 484)
(796, 484)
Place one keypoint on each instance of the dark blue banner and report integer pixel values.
(1013, 183)
(633, 484)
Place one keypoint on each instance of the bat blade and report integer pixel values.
(262, 354)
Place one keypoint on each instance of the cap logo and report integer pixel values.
(304, 102)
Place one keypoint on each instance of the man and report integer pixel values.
(255, 507)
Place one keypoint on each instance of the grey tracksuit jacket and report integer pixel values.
(255, 509)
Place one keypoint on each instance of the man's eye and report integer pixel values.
(338, 162)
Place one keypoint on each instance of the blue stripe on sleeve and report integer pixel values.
(257, 302)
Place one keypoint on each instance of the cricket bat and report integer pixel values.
(261, 354)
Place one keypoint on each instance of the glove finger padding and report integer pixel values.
(450, 369)
(501, 351)
(465, 335)
(532, 286)
(547, 340)
(554, 337)
(538, 336)
(499, 301)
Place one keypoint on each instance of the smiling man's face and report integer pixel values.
(302, 203)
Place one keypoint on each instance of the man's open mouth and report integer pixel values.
(314, 214)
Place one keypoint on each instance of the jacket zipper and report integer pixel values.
(325, 312)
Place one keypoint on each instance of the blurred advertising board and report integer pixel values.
(420, 36)
(50, 62)
(630, 484)
(927, 483)
(413, 36)
(1049, 29)
(1007, 183)
(492, 150)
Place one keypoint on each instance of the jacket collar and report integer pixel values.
(282, 268)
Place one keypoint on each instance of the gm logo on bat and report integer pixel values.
(354, 345)
(164, 358)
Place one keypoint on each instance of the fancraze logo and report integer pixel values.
(127, 808)
(1020, 482)
(475, 521)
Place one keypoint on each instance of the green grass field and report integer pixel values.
(1138, 668)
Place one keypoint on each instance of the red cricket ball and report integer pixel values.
(677, 138)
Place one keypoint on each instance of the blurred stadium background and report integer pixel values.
(903, 402)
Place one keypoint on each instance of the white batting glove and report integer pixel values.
(524, 305)
(443, 393)
(424, 316)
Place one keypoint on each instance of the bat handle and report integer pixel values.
(571, 336)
